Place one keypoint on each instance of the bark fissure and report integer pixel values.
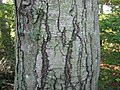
(68, 66)
(79, 68)
(45, 64)
(21, 37)
(63, 37)
(46, 24)
(91, 61)
(58, 20)
(17, 46)
(87, 67)
(45, 60)
(83, 21)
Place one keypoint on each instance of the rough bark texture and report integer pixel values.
(57, 45)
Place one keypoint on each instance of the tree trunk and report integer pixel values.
(0, 1)
(57, 45)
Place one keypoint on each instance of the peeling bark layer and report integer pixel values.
(57, 45)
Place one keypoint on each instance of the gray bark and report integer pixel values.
(57, 45)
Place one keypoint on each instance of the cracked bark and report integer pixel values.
(57, 45)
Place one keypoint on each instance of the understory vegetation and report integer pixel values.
(110, 48)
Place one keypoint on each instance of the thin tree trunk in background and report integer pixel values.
(0, 1)
(57, 45)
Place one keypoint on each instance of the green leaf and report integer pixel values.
(117, 79)
(117, 37)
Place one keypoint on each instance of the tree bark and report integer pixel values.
(57, 45)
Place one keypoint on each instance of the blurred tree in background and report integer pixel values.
(110, 45)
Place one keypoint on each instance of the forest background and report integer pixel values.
(109, 22)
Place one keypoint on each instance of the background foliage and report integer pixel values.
(7, 57)
(110, 46)
(110, 49)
